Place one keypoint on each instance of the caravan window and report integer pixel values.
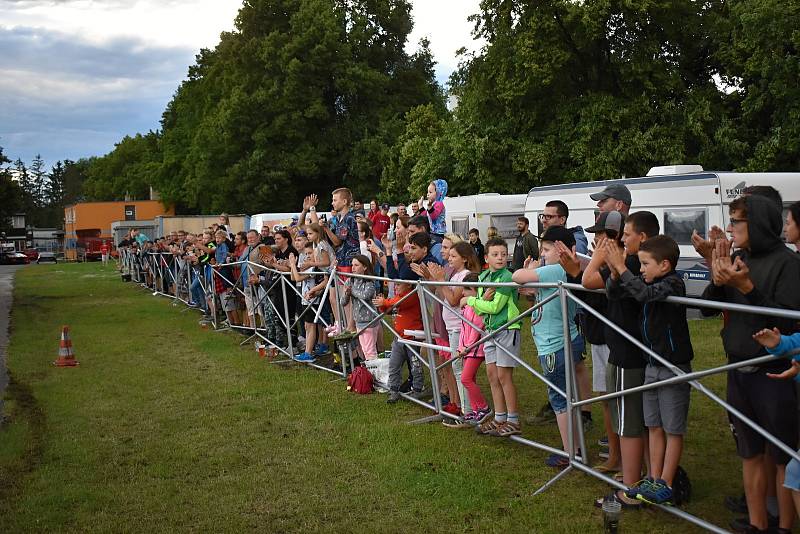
(506, 225)
(460, 227)
(679, 224)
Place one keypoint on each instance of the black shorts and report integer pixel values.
(308, 315)
(769, 403)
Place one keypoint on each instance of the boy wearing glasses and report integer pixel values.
(762, 272)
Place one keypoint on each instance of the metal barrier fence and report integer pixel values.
(148, 270)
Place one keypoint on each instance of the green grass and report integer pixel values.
(168, 427)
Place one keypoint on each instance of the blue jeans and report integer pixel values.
(554, 370)
(198, 295)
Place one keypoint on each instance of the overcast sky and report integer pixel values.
(78, 75)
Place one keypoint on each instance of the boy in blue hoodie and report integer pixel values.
(778, 344)
(665, 330)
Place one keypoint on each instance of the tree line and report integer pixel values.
(39, 193)
(307, 95)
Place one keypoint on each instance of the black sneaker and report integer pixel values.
(545, 416)
(742, 524)
(421, 394)
(588, 423)
(737, 505)
(405, 387)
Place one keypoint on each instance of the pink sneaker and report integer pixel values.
(333, 329)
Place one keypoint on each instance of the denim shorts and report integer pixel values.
(554, 370)
(792, 479)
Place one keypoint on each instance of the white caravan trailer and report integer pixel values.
(683, 197)
(484, 210)
(274, 220)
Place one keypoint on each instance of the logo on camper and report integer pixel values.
(736, 191)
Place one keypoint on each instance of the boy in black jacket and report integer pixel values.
(626, 363)
(665, 330)
(762, 272)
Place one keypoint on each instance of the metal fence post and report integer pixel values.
(289, 344)
(575, 422)
(426, 323)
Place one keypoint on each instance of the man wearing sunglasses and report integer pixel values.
(556, 213)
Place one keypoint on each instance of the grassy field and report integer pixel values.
(168, 427)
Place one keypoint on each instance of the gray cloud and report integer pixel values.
(53, 52)
(64, 97)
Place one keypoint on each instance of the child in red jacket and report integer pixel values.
(409, 317)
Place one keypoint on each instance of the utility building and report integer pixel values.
(88, 224)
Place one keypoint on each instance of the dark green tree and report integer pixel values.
(28, 188)
(38, 176)
(54, 192)
(125, 172)
(75, 174)
(10, 192)
(53, 210)
(759, 49)
(302, 97)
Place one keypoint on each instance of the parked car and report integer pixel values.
(32, 253)
(47, 256)
(14, 258)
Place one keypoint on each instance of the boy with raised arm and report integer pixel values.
(549, 334)
(625, 361)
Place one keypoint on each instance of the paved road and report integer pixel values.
(6, 297)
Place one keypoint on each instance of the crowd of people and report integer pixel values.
(630, 259)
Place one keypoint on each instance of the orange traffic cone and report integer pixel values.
(65, 356)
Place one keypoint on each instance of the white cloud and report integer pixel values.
(445, 24)
(78, 75)
(195, 23)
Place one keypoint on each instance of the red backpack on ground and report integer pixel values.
(360, 380)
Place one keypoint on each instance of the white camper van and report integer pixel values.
(484, 210)
(683, 197)
(274, 220)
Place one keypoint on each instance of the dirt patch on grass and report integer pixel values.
(25, 412)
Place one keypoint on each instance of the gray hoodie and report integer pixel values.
(361, 290)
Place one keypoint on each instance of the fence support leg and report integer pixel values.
(342, 320)
(426, 323)
(289, 344)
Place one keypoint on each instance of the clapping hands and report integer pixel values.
(568, 259)
(705, 247)
(614, 255)
(729, 272)
(530, 263)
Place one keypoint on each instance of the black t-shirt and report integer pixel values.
(269, 241)
(624, 312)
(594, 330)
(285, 254)
(479, 251)
(518, 259)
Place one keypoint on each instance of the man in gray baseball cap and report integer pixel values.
(615, 197)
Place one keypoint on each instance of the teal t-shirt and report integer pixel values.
(548, 332)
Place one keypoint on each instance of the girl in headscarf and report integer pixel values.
(435, 212)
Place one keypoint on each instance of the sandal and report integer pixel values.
(624, 502)
(557, 461)
(603, 468)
